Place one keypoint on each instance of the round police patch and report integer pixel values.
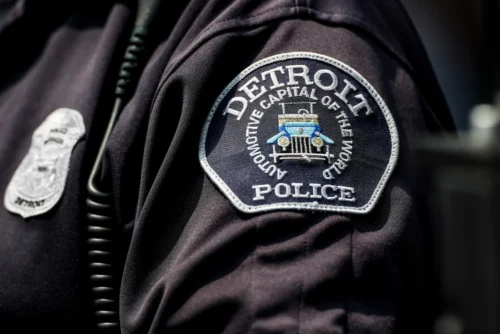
(300, 131)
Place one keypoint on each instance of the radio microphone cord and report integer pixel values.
(102, 233)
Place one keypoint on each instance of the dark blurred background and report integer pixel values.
(459, 175)
(458, 36)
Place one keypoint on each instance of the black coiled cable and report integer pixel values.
(103, 260)
(104, 266)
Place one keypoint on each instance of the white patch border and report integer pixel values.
(313, 206)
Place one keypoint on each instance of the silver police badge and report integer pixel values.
(39, 181)
(300, 131)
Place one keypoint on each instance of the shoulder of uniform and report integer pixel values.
(377, 19)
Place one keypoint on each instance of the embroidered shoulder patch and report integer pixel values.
(300, 131)
(38, 183)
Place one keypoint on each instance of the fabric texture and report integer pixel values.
(197, 264)
(192, 262)
(52, 59)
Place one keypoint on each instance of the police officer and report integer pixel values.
(260, 172)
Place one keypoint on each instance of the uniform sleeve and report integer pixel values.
(277, 190)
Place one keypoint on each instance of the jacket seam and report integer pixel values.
(212, 32)
(286, 15)
(206, 37)
(215, 25)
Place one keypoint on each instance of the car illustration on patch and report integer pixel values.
(299, 131)
(300, 138)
